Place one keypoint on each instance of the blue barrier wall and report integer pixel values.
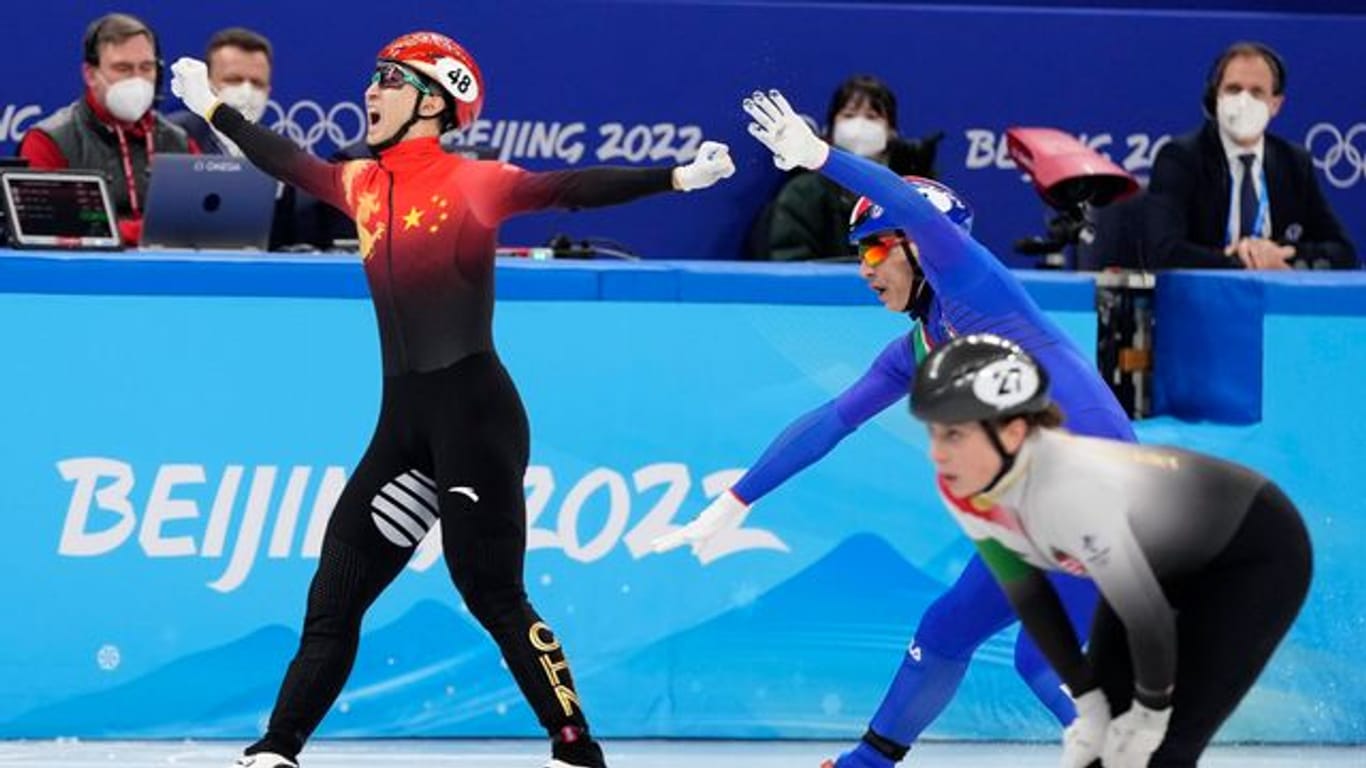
(173, 448)
(573, 83)
(1211, 341)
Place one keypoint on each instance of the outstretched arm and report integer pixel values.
(282, 158)
(606, 185)
(809, 438)
(803, 443)
(973, 288)
(957, 265)
(269, 151)
(952, 260)
(580, 188)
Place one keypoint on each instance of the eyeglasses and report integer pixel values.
(875, 251)
(391, 76)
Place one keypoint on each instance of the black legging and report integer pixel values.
(450, 445)
(1231, 615)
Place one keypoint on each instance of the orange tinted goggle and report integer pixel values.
(874, 252)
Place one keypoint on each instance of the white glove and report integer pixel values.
(1083, 739)
(711, 164)
(190, 82)
(777, 126)
(719, 515)
(1134, 736)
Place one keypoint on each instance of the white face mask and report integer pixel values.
(129, 99)
(861, 135)
(245, 98)
(1243, 117)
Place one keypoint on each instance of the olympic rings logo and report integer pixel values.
(1337, 154)
(307, 124)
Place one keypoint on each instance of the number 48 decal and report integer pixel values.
(460, 78)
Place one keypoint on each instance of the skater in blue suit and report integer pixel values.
(918, 255)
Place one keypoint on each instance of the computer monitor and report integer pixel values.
(58, 209)
(208, 202)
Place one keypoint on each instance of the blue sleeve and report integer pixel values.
(977, 294)
(963, 272)
(811, 437)
(952, 260)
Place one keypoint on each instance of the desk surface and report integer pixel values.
(206, 273)
(214, 273)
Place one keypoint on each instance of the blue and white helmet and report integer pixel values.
(867, 218)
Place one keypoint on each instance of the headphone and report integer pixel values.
(90, 52)
(1216, 71)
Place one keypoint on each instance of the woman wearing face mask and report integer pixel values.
(808, 218)
(452, 441)
(112, 128)
(1202, 565)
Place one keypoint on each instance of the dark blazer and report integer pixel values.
(1187, 210)
(198, 130)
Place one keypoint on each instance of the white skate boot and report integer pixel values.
(264, 760)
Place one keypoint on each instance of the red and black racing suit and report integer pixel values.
(452, 440)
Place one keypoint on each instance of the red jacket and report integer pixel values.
(44, 154)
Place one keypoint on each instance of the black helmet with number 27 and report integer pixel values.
(980, 377)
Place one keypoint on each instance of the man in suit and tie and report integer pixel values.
(240, 62)
(1231, 195)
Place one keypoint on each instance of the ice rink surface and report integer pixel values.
(622, 754)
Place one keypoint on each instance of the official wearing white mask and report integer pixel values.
(113, 128)
(1234, 195)
(239, 62)
(1249, 94)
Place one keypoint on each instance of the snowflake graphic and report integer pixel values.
(108, 657)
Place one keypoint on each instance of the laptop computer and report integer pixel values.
(208, 202)
(57, 209)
